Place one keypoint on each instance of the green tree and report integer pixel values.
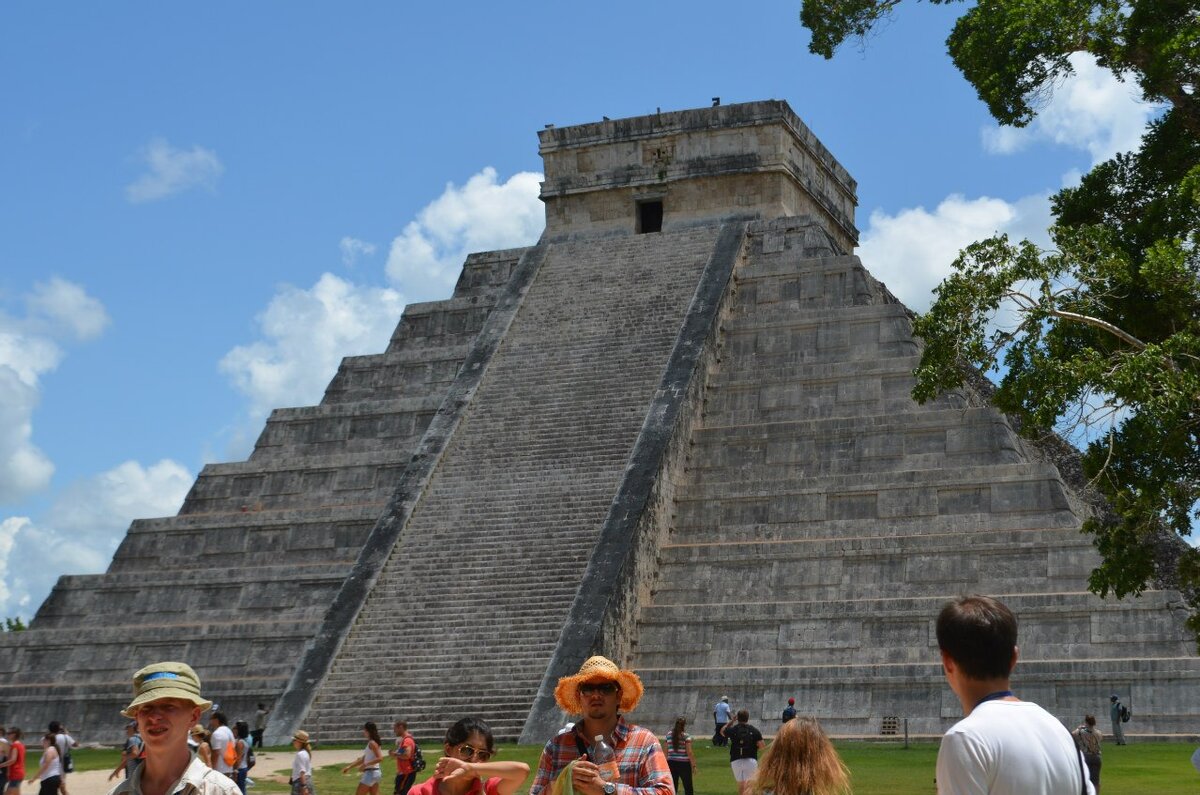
(14, 624)
(1099, 337)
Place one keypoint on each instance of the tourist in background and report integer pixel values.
(801, 761)
(722, 714)
(5, 749)
(14, 766)
(368, 762)
(1087, 740)
(1119, 715)
(63, 743)
(302, 780)
(789, 711)
(260, 725)
(241, 733)
(50, 770)
(199, 736)
(131, 752)
(679, 755)
(403, 753)
(466, 768)
(220, 737)
(744, 741)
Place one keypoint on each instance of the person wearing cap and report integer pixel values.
(199, 743)
(722, 714)
(600, 693)
(302, 780)
(166, 704)
(789, 711)
(1114, 712)
(131, 752)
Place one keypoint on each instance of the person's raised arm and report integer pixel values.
(511, 774)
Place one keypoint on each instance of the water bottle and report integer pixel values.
(605, 758)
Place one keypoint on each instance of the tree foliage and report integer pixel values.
(1099, 337)
(13, 624)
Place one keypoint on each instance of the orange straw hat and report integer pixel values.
(598, 669)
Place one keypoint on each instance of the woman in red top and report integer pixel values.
(15, 763)
(465, 769)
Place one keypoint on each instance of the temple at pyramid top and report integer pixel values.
(668, 171)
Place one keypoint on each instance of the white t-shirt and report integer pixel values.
(1010, 748)
(221, 737)
(302, 763)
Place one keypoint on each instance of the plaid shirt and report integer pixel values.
(640, 759)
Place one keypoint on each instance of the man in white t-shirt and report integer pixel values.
(221, 736)
(1004, 746)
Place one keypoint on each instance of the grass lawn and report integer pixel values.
(876, 769)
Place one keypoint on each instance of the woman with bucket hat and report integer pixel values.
(302, 780)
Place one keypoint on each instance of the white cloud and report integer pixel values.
(170, 171)
(66, 305)
(306, 334)
(31, 346)
(482, 215)
(912, 250)
(1091, 110)
(352, 248)
(82, 528)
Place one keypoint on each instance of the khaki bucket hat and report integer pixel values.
(165, 680)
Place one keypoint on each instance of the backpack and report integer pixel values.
(230, 755)
(1125, 714)
(68, 764)
(418, 759)
(250, 760)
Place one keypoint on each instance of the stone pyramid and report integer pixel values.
(676, 431)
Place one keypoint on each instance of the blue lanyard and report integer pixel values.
(996, 695)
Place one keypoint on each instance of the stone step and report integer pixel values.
(1003, 488)
(422, 371)
(675, 553)
(708, 528)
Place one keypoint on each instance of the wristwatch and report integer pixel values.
(609, 788)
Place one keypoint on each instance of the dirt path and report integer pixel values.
(95, 782)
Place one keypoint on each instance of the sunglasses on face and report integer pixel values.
(607, 688)
(482, 754)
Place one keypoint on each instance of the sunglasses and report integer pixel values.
(482, 754)
(607, 688)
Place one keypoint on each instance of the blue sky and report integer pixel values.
(206, 207)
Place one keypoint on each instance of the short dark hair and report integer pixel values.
(13, 730)
(55, 727)
(743, 715)
(221, 719)
(241, 729)
(979, 633)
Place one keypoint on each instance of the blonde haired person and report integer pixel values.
(302, 780)
(801, 761)
(203, 749)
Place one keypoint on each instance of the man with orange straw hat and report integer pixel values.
(599, 693)
(166, 705)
